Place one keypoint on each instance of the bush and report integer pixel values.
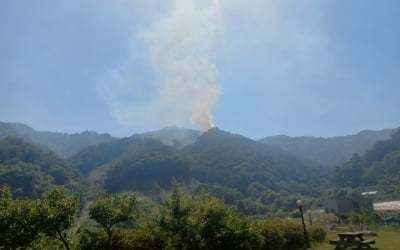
(123, 239)
(282, 234)
(135, 239)
(294, 235)
(317, 234)
(273, 236)
(89, 240)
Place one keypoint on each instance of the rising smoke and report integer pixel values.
(180, 48)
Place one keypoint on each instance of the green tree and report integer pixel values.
(219, 227)
(354, 217)
(108, 210)
(204, 222)
(349, 175)
(18, 221)
(57, 210)
(273, 235)
(174, 219)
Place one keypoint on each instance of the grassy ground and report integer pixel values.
(387, 239)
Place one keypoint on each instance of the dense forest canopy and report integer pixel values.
(379, 165)
(254, 177)
(63, 144)
(229, 175)
(217, 158)
(331, 151)
(30, 171)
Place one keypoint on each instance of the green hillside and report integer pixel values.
(254, 177)
(63, 144)
(30, 171)
(236, 161)
(257, 175)
(379, 165)
(331, 151)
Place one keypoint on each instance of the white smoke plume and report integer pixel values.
(181, 51)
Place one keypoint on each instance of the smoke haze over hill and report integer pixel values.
(180, 50)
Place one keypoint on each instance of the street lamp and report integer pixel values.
(300, 205)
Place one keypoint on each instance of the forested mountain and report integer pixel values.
(236, 161)
(253, 176)
(216, 157)
(126, 150)
(379, 165)
(63, 144)
(225, 164)
(331, 151)
(30, 171)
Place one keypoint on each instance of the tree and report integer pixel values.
(174, 219)
(5, 222)
(57, 210)
(219, 227)
(109, 210)
(204, 222)
(349, 175)
(18, 221)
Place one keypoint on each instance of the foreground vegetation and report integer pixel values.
(232, 185)
(124, 222)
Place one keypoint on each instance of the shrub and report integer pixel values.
(317, 234)
(273, 235)
(123, 239)
(294, 235)
(282, 234)
(89, 240)
(135, 239)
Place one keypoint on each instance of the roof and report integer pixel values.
(387, 206)
(391, 219)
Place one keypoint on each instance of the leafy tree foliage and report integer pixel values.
(174, 220)
(197, 222)
(109, 210)
(18, 221)
(30, 171)
(26, 179)
(148, 171)
(350, 173)
(380, 165)
(57, 210)
(204, 222)
(23, 221)
(317, 233)
(282, 234)
(219, 227)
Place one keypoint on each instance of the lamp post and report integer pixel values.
(300, 205)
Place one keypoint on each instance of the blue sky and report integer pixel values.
(260, 67)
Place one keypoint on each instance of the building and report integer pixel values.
(341, 206)
(392, 221)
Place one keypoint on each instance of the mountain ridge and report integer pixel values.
(64, 144)
(251, 175)
(330, 151)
